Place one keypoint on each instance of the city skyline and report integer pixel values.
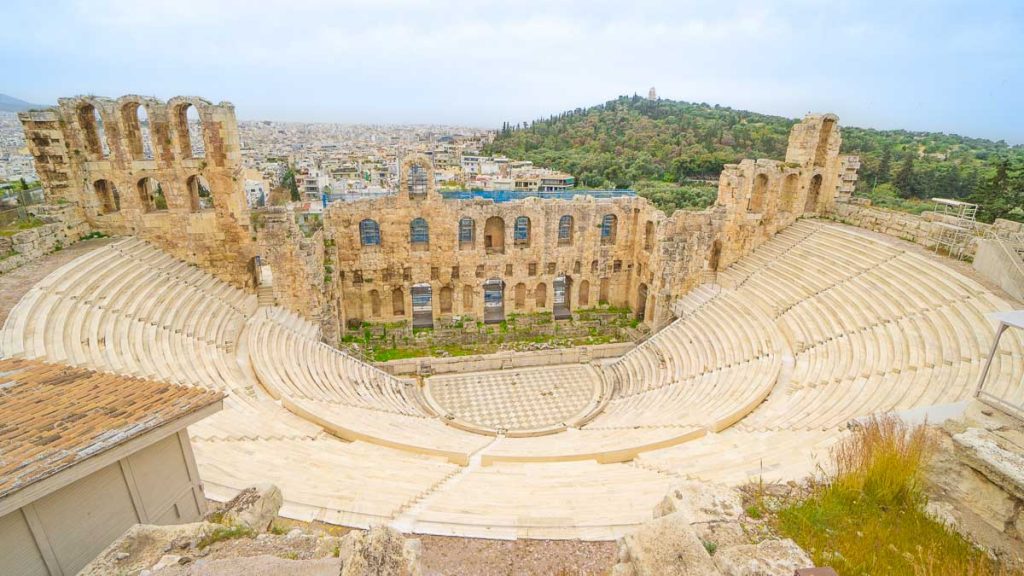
(945, 66)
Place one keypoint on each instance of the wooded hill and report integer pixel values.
(673, 152)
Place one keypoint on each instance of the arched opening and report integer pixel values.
(494, 235)
(107, 196)
(821, 151)
(137, 131)
(715, 256)
(757, 194)
(609, 228)
(649, 236)
(565, 230)
(416, 181)
(374, 304)
(467, 233)
(422, 306)
(398, 302)
(369, 233)
(199, 193)
(494, 301)
(519, 295)
(540, 296)
(641, 302)
(91, 122)
(445, 300)
(190, 132)
(812, 194)
(561, 302)
(593, 266)
(151, 195)
(602, 293)
(467, 299)
(584, 298)
(419, 232)
(789, 185)
(522, 232)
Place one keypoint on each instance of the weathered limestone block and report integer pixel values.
(254, 507)
(767, 558)
(380, 551)
(702, 502)
(981, 450)
(667, 545)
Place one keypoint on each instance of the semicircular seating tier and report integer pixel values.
(757, 377)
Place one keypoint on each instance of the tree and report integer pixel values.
(288, 182)
(884, 166)
(904, 180)
(24, 184)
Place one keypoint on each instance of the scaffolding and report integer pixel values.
(955, 228)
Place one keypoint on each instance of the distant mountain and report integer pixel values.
(12, 104)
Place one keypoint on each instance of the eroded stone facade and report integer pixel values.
(621, 251)
(178, 184)
(133, 166)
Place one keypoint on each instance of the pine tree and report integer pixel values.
(884, 166)
(904, 180)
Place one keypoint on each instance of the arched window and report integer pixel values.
(91, 122)
(603, 289)
(520, 296)
(609, 225)
(540, 295)
(467, 232)
(494, 235)
(374, 304)
(811, 205)
(398, 302)
(419, 232)
(522, 231)
(417, 181)
(649, 236)
(788, 193)
(593, 266)
(565, 230)
(369, 233)
(107, 195)
(199, 193)
(757, 194)
(151, 195)
(137, 131)
(190, 132)
(445, 297)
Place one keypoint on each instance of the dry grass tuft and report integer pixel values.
(867, 517)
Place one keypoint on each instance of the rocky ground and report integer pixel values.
(698, 529)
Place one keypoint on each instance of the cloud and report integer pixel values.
(888, 64)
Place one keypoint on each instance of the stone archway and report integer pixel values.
(422, 306)
(494, 301)
(811, 205)
(641, 302)
(494, 235)
(562, 298)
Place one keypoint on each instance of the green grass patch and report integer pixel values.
(867, 517)
(20, 225)
(225, 533)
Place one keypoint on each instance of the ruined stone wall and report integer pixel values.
(654, 259)
(62, 227)
(296, 261)
(369, 275)
(94, 154)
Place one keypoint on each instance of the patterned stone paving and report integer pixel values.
(519, 399)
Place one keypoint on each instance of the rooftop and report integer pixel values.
(52, 416)
(510, 195)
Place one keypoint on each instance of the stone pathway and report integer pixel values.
(17, 282)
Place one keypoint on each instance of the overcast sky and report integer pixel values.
(946, 65)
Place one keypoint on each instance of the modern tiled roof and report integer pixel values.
(54, 416)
